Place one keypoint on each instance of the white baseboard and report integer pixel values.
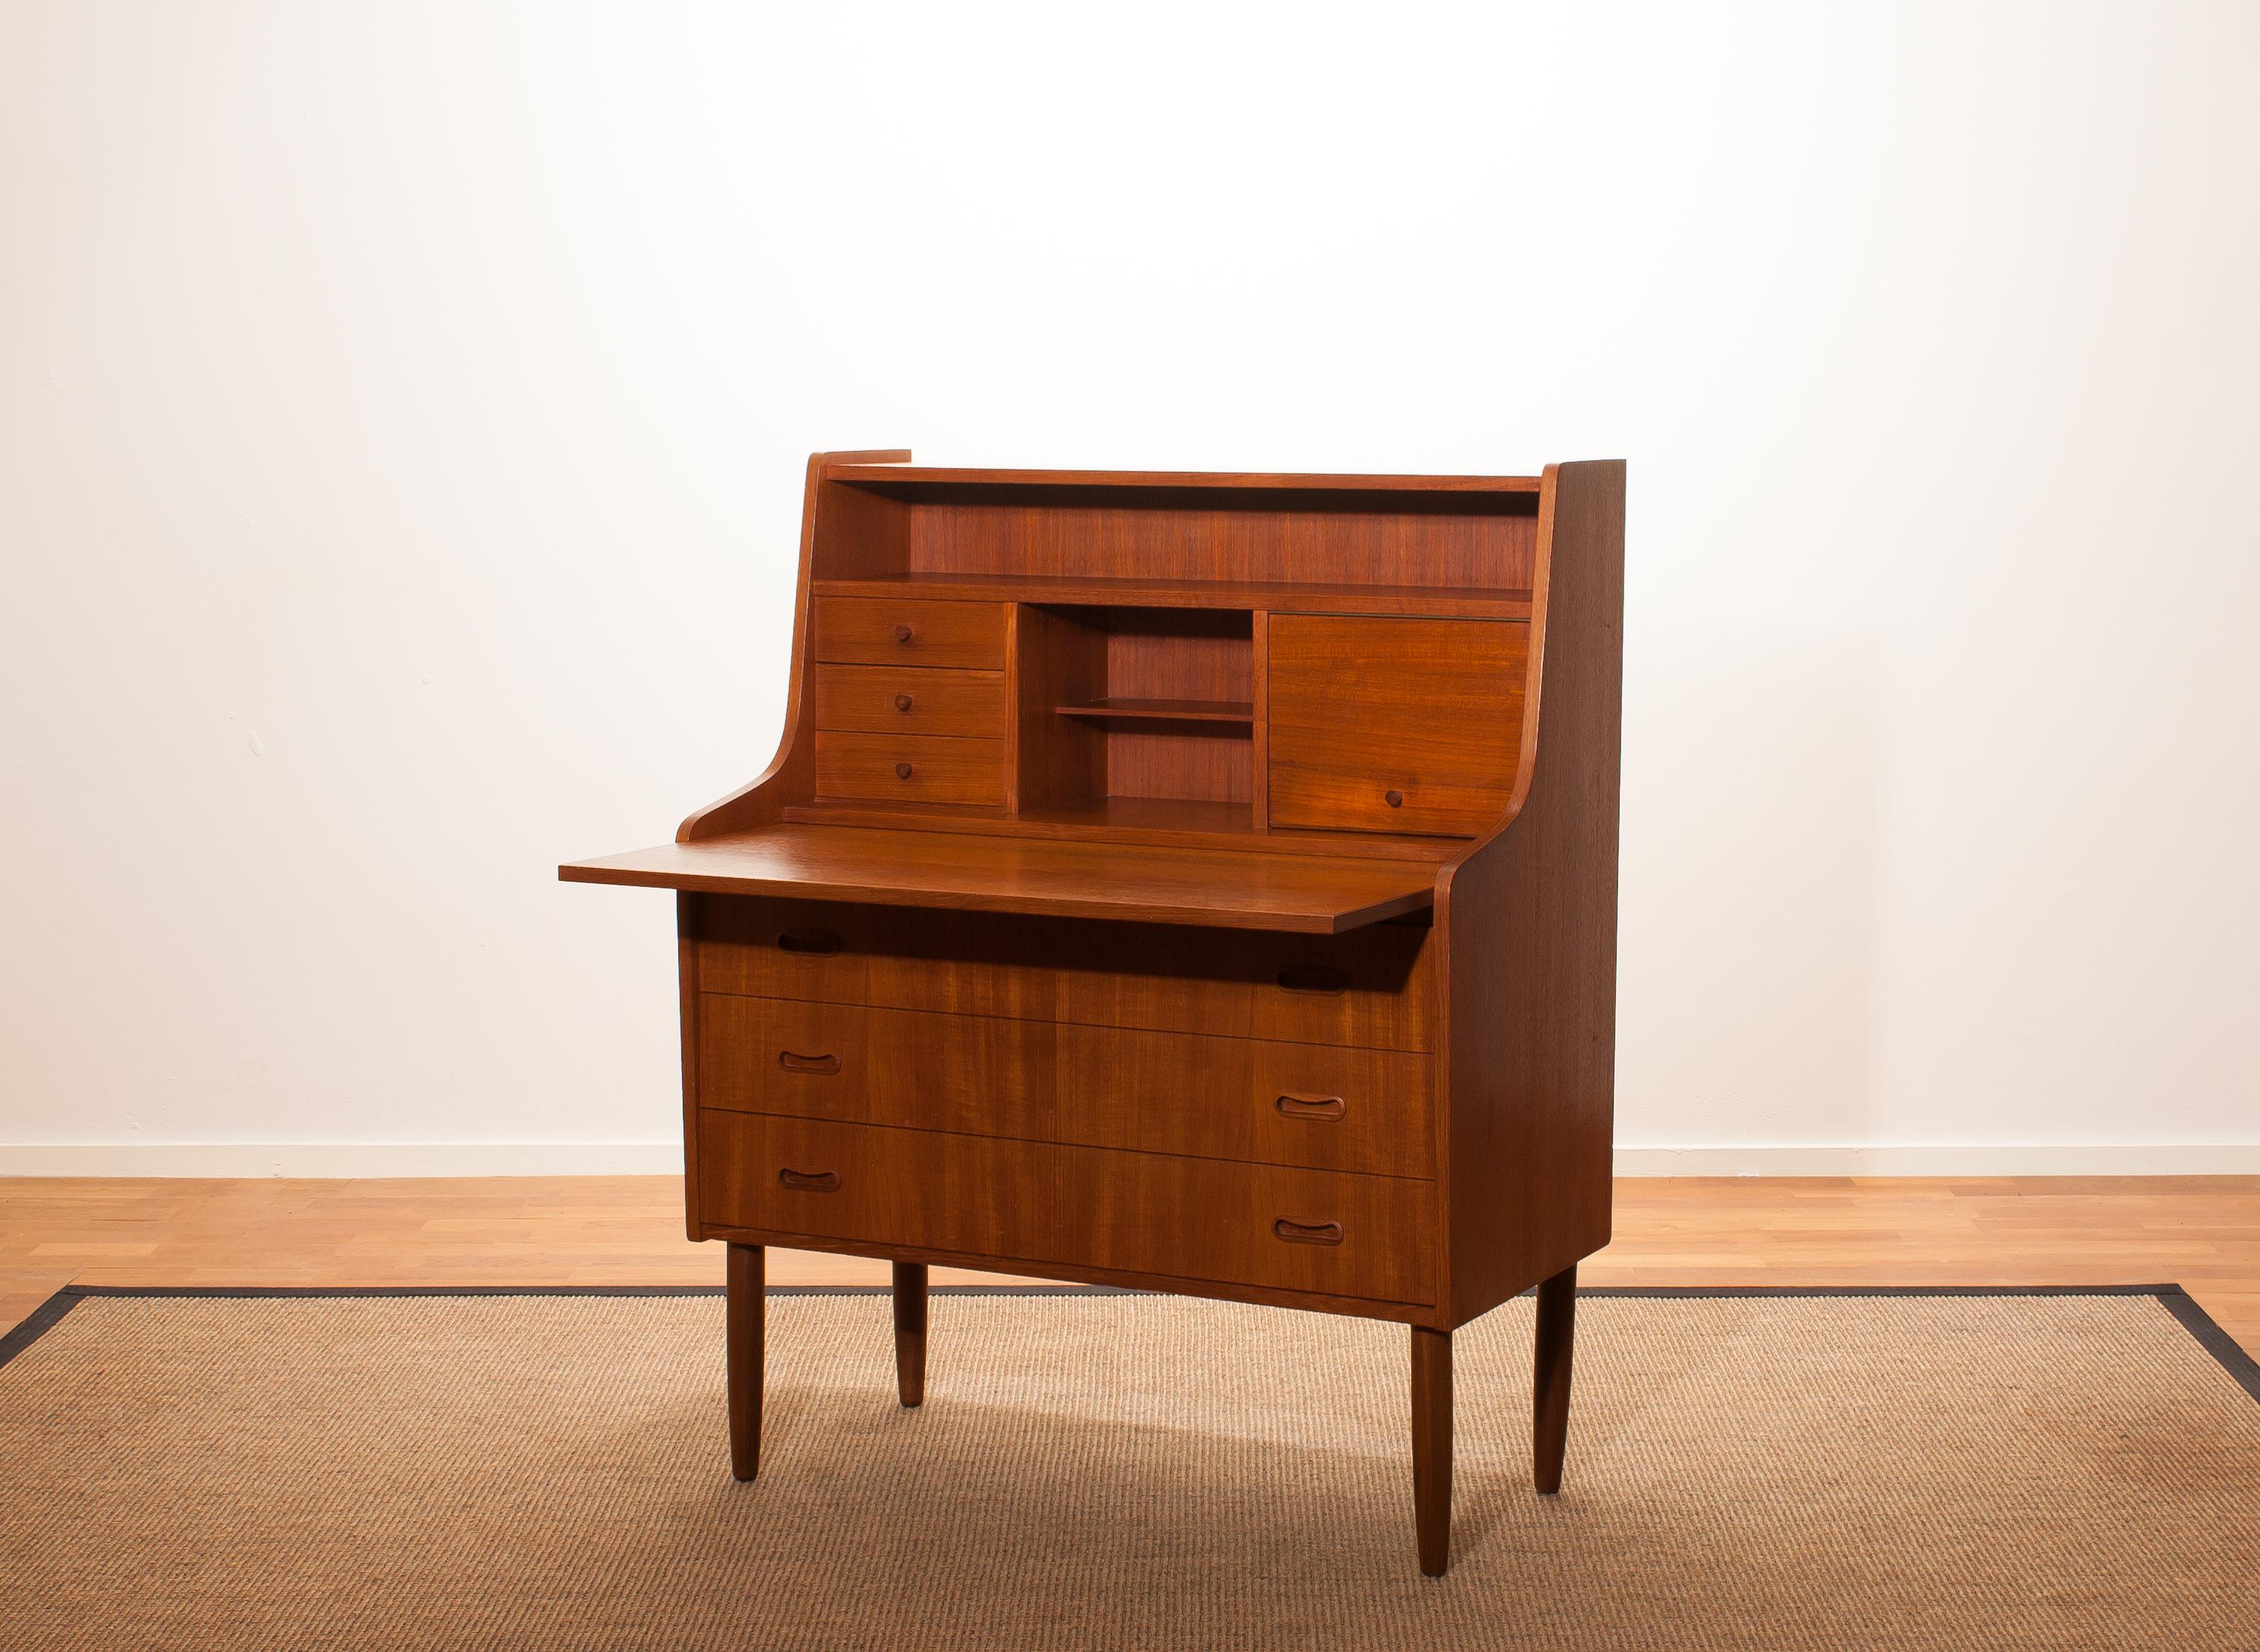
(342, 1159)
(1945, 1159)
(355, 1159)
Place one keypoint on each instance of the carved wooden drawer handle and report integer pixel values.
(902, 771)
(902, 702)
(902, 634)
(808, 940)
(1314, 978)
(811, 1181)
(797, 1063)
(1297, 1233)
(1294, 1107)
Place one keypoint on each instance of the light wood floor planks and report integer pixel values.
(2200, 1232)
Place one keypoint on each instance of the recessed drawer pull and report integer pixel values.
(1294, 1107)
(796, 1064)
(808, 940)
(811, 1181)
(1297, 1233)
(1314, 978)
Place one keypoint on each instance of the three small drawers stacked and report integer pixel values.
(967, 1085)
(910, 700)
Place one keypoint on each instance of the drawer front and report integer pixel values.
(888, 631)
(1363, 1236)
(1373, 988)
(1405, 726)
(910, 768)
(1245, 1099)
(881, 699)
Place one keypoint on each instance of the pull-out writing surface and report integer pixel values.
(1206, 887)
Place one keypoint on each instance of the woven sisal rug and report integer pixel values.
(430, 1470)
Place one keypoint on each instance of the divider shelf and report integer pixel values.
(1165, 711)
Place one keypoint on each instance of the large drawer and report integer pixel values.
(1372, 988)
(1257, 1100)
(1321, 1231)
(904, 630)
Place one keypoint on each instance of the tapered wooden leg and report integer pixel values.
(1432, 1446)
(1549, 1419)
(743, 1338)
(909, 1330)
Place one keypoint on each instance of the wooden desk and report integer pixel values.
(1203, 883)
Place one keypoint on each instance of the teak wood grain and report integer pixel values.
(1203, 883)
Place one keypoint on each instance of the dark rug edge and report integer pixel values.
(2226, 1352)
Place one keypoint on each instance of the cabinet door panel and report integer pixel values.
(1401, 725)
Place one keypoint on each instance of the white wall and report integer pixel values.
(402, 408)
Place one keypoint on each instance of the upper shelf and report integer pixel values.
(1290, 598)
(1215, 889)
(944, 476)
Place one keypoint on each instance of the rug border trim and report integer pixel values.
(2226, 1352)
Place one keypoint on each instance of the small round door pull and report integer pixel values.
(902, 634)
(1394, 799)
(902, 702)
(902, 771)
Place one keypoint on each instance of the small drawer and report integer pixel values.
(1319, 1231)
(1399, 725)
(881, 699)
(885, 631)
(910, 768)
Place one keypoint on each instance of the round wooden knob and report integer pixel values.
(902, 771)
(1395, 799)
(902, 702)
(902, 634)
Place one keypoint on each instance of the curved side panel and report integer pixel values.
(790, 775)
(1527, 925)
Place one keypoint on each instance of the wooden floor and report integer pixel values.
(2200, 1232)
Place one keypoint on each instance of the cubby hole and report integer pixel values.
(1138, 712)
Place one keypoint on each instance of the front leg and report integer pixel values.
(1432, 1446)
(909, 1332)
(742, 1337)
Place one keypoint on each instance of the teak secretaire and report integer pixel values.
(1203, 883)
